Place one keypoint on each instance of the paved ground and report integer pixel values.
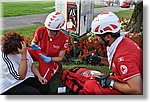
(22, 21)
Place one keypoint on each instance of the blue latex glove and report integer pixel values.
(35, 47)
(45, 58)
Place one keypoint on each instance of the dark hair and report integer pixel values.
(11, 41)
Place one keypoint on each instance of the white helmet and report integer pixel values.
(54, 21)
(105, 22)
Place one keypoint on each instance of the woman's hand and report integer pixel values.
(23, 63)
(42, 80)
(24, 48)
(37, 73)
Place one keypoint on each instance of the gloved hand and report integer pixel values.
(35, 47)
(93, 59)
(45, 58)
(104, 81)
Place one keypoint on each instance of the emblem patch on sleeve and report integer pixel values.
(66, 45)
(120, 59)
(124, 69)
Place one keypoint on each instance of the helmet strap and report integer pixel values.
(51, 38)
(57, 32)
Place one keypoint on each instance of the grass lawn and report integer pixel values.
(26, 8)
(99, 6)
(126, 14)
(26, 31)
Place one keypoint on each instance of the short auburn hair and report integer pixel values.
(11, 41)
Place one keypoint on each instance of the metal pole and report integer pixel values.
(75, 49)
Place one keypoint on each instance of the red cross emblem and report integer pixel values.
(123, 69)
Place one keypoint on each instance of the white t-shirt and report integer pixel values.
(9, 65)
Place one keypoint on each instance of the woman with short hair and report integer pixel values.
(18, 70)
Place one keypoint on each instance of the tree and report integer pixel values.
(136, 21)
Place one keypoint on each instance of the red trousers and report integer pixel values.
(92, 87)
(46, 70)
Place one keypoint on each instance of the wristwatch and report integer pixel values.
(111, 84)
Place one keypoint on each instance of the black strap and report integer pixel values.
(78, 85)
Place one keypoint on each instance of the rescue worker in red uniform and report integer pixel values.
(49, 45)
(124, 57)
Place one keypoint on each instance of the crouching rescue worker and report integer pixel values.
(124, 57)
(49, 45)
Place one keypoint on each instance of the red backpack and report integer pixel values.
(75, 78)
